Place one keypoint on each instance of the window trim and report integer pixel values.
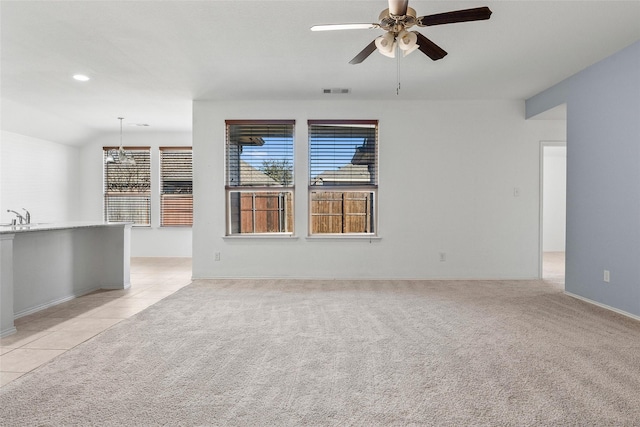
(344, 188)
(229, 189)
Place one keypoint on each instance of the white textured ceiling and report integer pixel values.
(149, 59)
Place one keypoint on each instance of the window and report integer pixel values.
(176, 186)
(127, 186)
(259, 177)
(343, 176)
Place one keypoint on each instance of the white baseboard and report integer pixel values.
(43, 306)
(599, 304)
(8, 331)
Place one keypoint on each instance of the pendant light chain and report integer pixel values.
(120, 118)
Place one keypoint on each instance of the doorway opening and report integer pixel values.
(553, 202)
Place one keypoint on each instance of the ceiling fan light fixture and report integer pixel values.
(391, 53)
(407, 40)
(386, 44)
(411, 46)
(409, 51)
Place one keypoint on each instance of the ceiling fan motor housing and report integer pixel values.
(397, 23)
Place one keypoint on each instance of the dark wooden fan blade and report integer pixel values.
(398, 7)
(465, 15)
(364, 54)
(429, 48)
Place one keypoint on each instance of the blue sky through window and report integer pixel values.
(274, 149)
(331, 153)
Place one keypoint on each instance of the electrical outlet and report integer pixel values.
(217, 256)
(607, 276)
(443, 256)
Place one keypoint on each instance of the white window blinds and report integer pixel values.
(343, 152)
(127, 187)
(176, 186)
(259, 153)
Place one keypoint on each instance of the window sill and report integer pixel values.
(343, 236)
(261, 236)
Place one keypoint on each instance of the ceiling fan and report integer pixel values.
(396, 20)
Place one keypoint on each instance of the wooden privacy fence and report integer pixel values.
(176, 209)
(266, 212)
(341, 212)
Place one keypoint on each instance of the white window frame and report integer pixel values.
(235, 221)
(318, 185)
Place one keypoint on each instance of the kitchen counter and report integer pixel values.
(45, 226)
(45, 264)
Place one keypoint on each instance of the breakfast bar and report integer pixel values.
(42, 265)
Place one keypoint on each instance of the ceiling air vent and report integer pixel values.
(336, 90)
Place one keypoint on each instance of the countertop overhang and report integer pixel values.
(22, 228)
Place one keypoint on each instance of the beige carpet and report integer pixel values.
(295, 353)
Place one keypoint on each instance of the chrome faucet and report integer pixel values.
(27, 216)
(20, 217)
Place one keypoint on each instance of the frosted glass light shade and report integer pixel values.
(391, 53)
(407, 40)
(408, 51)
(386, 45)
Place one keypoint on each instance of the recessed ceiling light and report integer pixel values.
(139, 124)
(81, 78)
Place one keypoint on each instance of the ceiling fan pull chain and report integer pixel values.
(397, 71)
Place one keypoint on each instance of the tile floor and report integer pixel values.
(48, 333)
(553, 266)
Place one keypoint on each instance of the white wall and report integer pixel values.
(41, 176)
(448, 170)
(554, 191)
(153, 241)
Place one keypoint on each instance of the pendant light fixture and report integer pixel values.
(120, 156)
